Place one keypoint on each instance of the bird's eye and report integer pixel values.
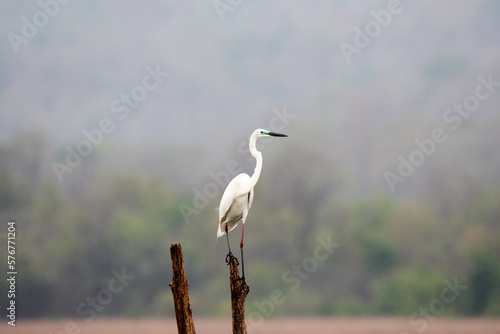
(262, 132)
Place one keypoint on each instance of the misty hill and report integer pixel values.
(121, 122)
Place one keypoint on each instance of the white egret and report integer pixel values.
(238, 196)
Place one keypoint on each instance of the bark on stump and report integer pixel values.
(180, 290)
(239, 293)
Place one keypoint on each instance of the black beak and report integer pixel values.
(274, 134)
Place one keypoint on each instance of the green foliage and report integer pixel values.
(350, 307)
(392, 257)
(483, 285)
(404, 291)
(379, 254)
(377, 248)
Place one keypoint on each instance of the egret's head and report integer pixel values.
(266, 133)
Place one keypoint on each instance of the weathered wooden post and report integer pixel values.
(239, 293)
(180, 290)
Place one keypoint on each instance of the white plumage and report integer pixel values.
(238, 196)
(235, 203)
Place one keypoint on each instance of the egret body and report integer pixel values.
(238, 196)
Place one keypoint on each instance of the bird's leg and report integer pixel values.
(241, 248)
(242, 262)
(230, 254)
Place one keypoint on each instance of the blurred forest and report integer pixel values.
(157, 175)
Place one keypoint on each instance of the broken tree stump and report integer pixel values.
(239, 292)
(180, 290)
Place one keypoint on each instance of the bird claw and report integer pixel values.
(244, 284)
(230, 256)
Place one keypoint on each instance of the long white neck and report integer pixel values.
(258, 166)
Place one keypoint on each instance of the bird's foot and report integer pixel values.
(229, 256)
(244, 284)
